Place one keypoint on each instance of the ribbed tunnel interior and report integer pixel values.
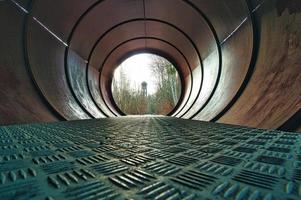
(239, 61)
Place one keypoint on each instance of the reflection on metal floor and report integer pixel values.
(148, 158)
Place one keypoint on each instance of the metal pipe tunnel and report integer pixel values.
(239, 61)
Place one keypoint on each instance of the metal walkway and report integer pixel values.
(148, 158)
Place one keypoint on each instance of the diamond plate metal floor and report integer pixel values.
(148, 158)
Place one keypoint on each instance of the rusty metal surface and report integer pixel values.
(19, 99)
(46, 59)
(76, 72)
(236, 50)
(191, 23)
(273, 94)
(100, 19)
(236, 56)
(60, 15)
(93, 84)
(224, 16)
(211, 71)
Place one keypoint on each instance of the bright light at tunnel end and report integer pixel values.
(137, 68)
(146, 84)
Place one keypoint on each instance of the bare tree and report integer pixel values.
(168, 89)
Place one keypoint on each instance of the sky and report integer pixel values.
(137, 68)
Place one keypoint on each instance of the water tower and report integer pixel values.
(144, 88)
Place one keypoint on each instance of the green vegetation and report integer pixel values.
(134, 100)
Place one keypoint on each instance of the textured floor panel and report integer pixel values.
(148, 158)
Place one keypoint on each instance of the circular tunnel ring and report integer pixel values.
(148, 50)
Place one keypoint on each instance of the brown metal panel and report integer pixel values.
(19, 100)
(211, 70)
(76, 72)
(61, 23)
(273, 94)
(192, 23)
(60, 15)
(113, 38)
(154, 29)
(236, 56)
(224, 15)
(102, 17)
(46, 58)
(93, 84)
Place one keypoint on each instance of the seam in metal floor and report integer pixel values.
(148, 158)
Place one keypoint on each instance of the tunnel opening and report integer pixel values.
(146, 84)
